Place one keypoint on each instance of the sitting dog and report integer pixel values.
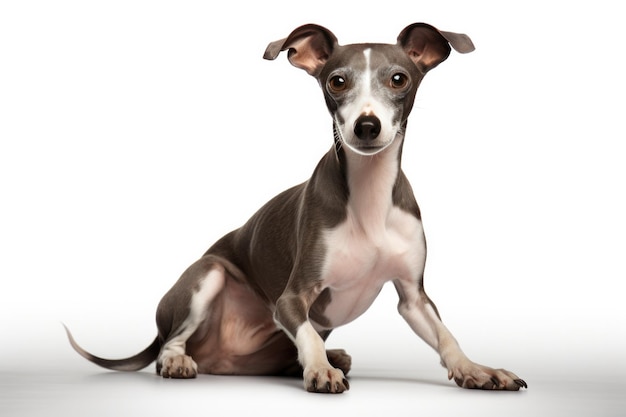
(263, 299)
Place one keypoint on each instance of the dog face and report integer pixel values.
(369, 92)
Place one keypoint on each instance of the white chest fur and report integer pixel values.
(377, 242)
(358, 264)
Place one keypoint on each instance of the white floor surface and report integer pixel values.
(373, 392)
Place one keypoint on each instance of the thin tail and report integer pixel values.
(134, 363)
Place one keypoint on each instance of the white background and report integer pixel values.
(133, 134)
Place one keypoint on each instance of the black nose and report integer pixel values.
(367, 128)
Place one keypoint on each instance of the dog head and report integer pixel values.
(369, 88)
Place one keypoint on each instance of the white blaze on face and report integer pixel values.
(367, 77)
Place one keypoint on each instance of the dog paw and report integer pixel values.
(325, 380)
(474, 376)
(179, 367)
(339, 359)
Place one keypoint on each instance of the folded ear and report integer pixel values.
(309, 47)
(428, 46)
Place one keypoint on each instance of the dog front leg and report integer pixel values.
(422, 315)
(292, 315)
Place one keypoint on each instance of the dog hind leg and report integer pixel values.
(182, 311)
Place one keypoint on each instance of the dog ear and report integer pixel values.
(309, 47)
(428, 46)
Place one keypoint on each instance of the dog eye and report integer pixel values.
(399, 80)
(337, 84)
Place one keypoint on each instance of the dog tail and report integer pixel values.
(134, 363)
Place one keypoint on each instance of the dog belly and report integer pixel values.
(239, 336)
(275, 355)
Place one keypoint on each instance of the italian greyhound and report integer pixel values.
(263, 299)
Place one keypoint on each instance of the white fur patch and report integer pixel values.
(367, 75)
(209, 287)
(311, 349)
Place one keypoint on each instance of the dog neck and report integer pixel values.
(370, 182)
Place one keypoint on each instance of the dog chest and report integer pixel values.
(359, 260)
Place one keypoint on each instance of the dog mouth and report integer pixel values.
(368, 149)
